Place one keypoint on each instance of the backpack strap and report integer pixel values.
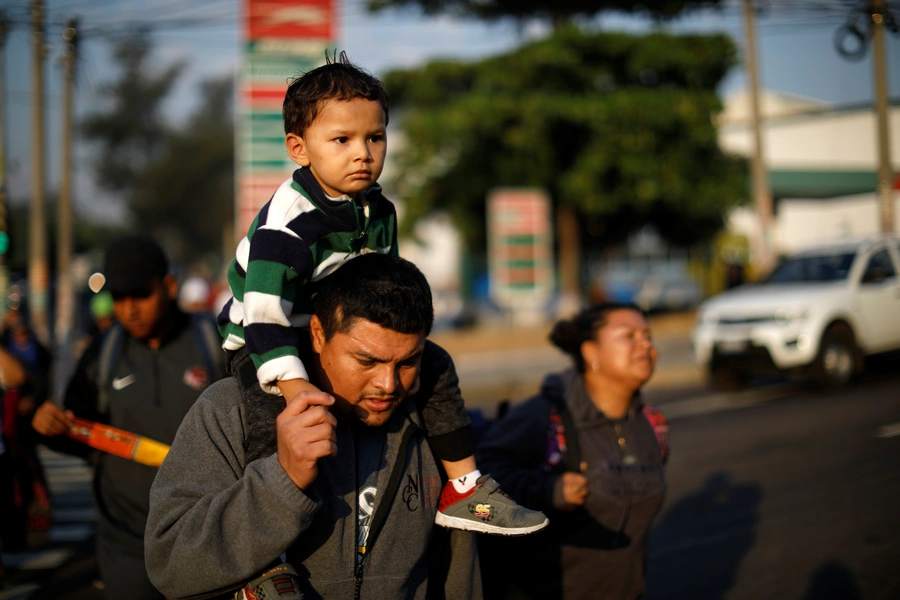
(110, 352)
(660, 428)
(554, 392)
(210, 343)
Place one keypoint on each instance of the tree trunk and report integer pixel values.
(568, 237)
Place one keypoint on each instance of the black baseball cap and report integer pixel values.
(130, 265)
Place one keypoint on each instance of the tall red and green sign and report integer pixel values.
(520, 251)
(283, 39)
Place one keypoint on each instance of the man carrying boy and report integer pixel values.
(330, 211)
(350, 496)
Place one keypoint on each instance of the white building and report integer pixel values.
(822, 162)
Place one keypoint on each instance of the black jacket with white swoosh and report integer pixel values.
(150, 392)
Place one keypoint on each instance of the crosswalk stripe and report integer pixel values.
(889, 430)
(69, 480)
(46, 559)
(77, 514)
(19, 592)
(67, 534)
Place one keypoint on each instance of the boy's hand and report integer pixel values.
(289, 388)
(50, 420)
(305, 434)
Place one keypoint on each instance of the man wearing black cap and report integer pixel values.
(142, 376)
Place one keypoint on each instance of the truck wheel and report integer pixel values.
(838, 358)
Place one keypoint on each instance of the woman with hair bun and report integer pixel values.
(589, 454)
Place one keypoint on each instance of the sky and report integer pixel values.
(795, 48)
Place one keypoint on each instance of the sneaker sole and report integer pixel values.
(469, 525)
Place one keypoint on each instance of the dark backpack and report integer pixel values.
(208, 341)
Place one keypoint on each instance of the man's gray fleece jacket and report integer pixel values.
(216, 522)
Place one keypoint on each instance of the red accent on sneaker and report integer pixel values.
(449, 495)
(284, 585)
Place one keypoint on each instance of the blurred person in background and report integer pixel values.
(102, 314)
(18, 337)
(157, 361)
(12, 374)
(588, 453)
(102, 318)
(25, 365)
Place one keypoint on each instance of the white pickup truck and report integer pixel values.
(819, 313)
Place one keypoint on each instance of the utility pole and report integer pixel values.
(762, 195)
(38, 270)
(4, 234)
(885, 183)
(64, 284)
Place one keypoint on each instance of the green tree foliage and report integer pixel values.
(177, 180)
(188, 190)
(87, 236)
(617, 126)
(130, 129)
(557, 11)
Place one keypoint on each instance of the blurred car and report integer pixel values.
(653, 286)
(819, 313)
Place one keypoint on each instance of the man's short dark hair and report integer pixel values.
(386, 290)
(338, 79)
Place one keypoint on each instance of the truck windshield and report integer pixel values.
(832, 267)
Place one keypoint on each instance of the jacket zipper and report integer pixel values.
(154, 352)
(362, 225)
(381, 512)
(622, 445)
(358, 579)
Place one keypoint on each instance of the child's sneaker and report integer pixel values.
(487, 509)
(278, 583)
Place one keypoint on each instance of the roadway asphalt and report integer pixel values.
(783, 493)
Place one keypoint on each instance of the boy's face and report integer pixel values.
(344, 146)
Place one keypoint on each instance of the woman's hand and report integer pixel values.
(574, 489)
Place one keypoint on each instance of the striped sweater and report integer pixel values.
(298, 238)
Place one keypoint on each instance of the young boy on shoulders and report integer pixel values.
(330, 211)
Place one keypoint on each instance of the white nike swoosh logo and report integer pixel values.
(120, 383)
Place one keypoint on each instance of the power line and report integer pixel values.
(210, 14)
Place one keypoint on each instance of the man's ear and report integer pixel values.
(316, 334)
(296, 149)
(170, 286)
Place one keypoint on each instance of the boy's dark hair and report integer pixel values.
(569, 334)
(386, 290)
(337, 79)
